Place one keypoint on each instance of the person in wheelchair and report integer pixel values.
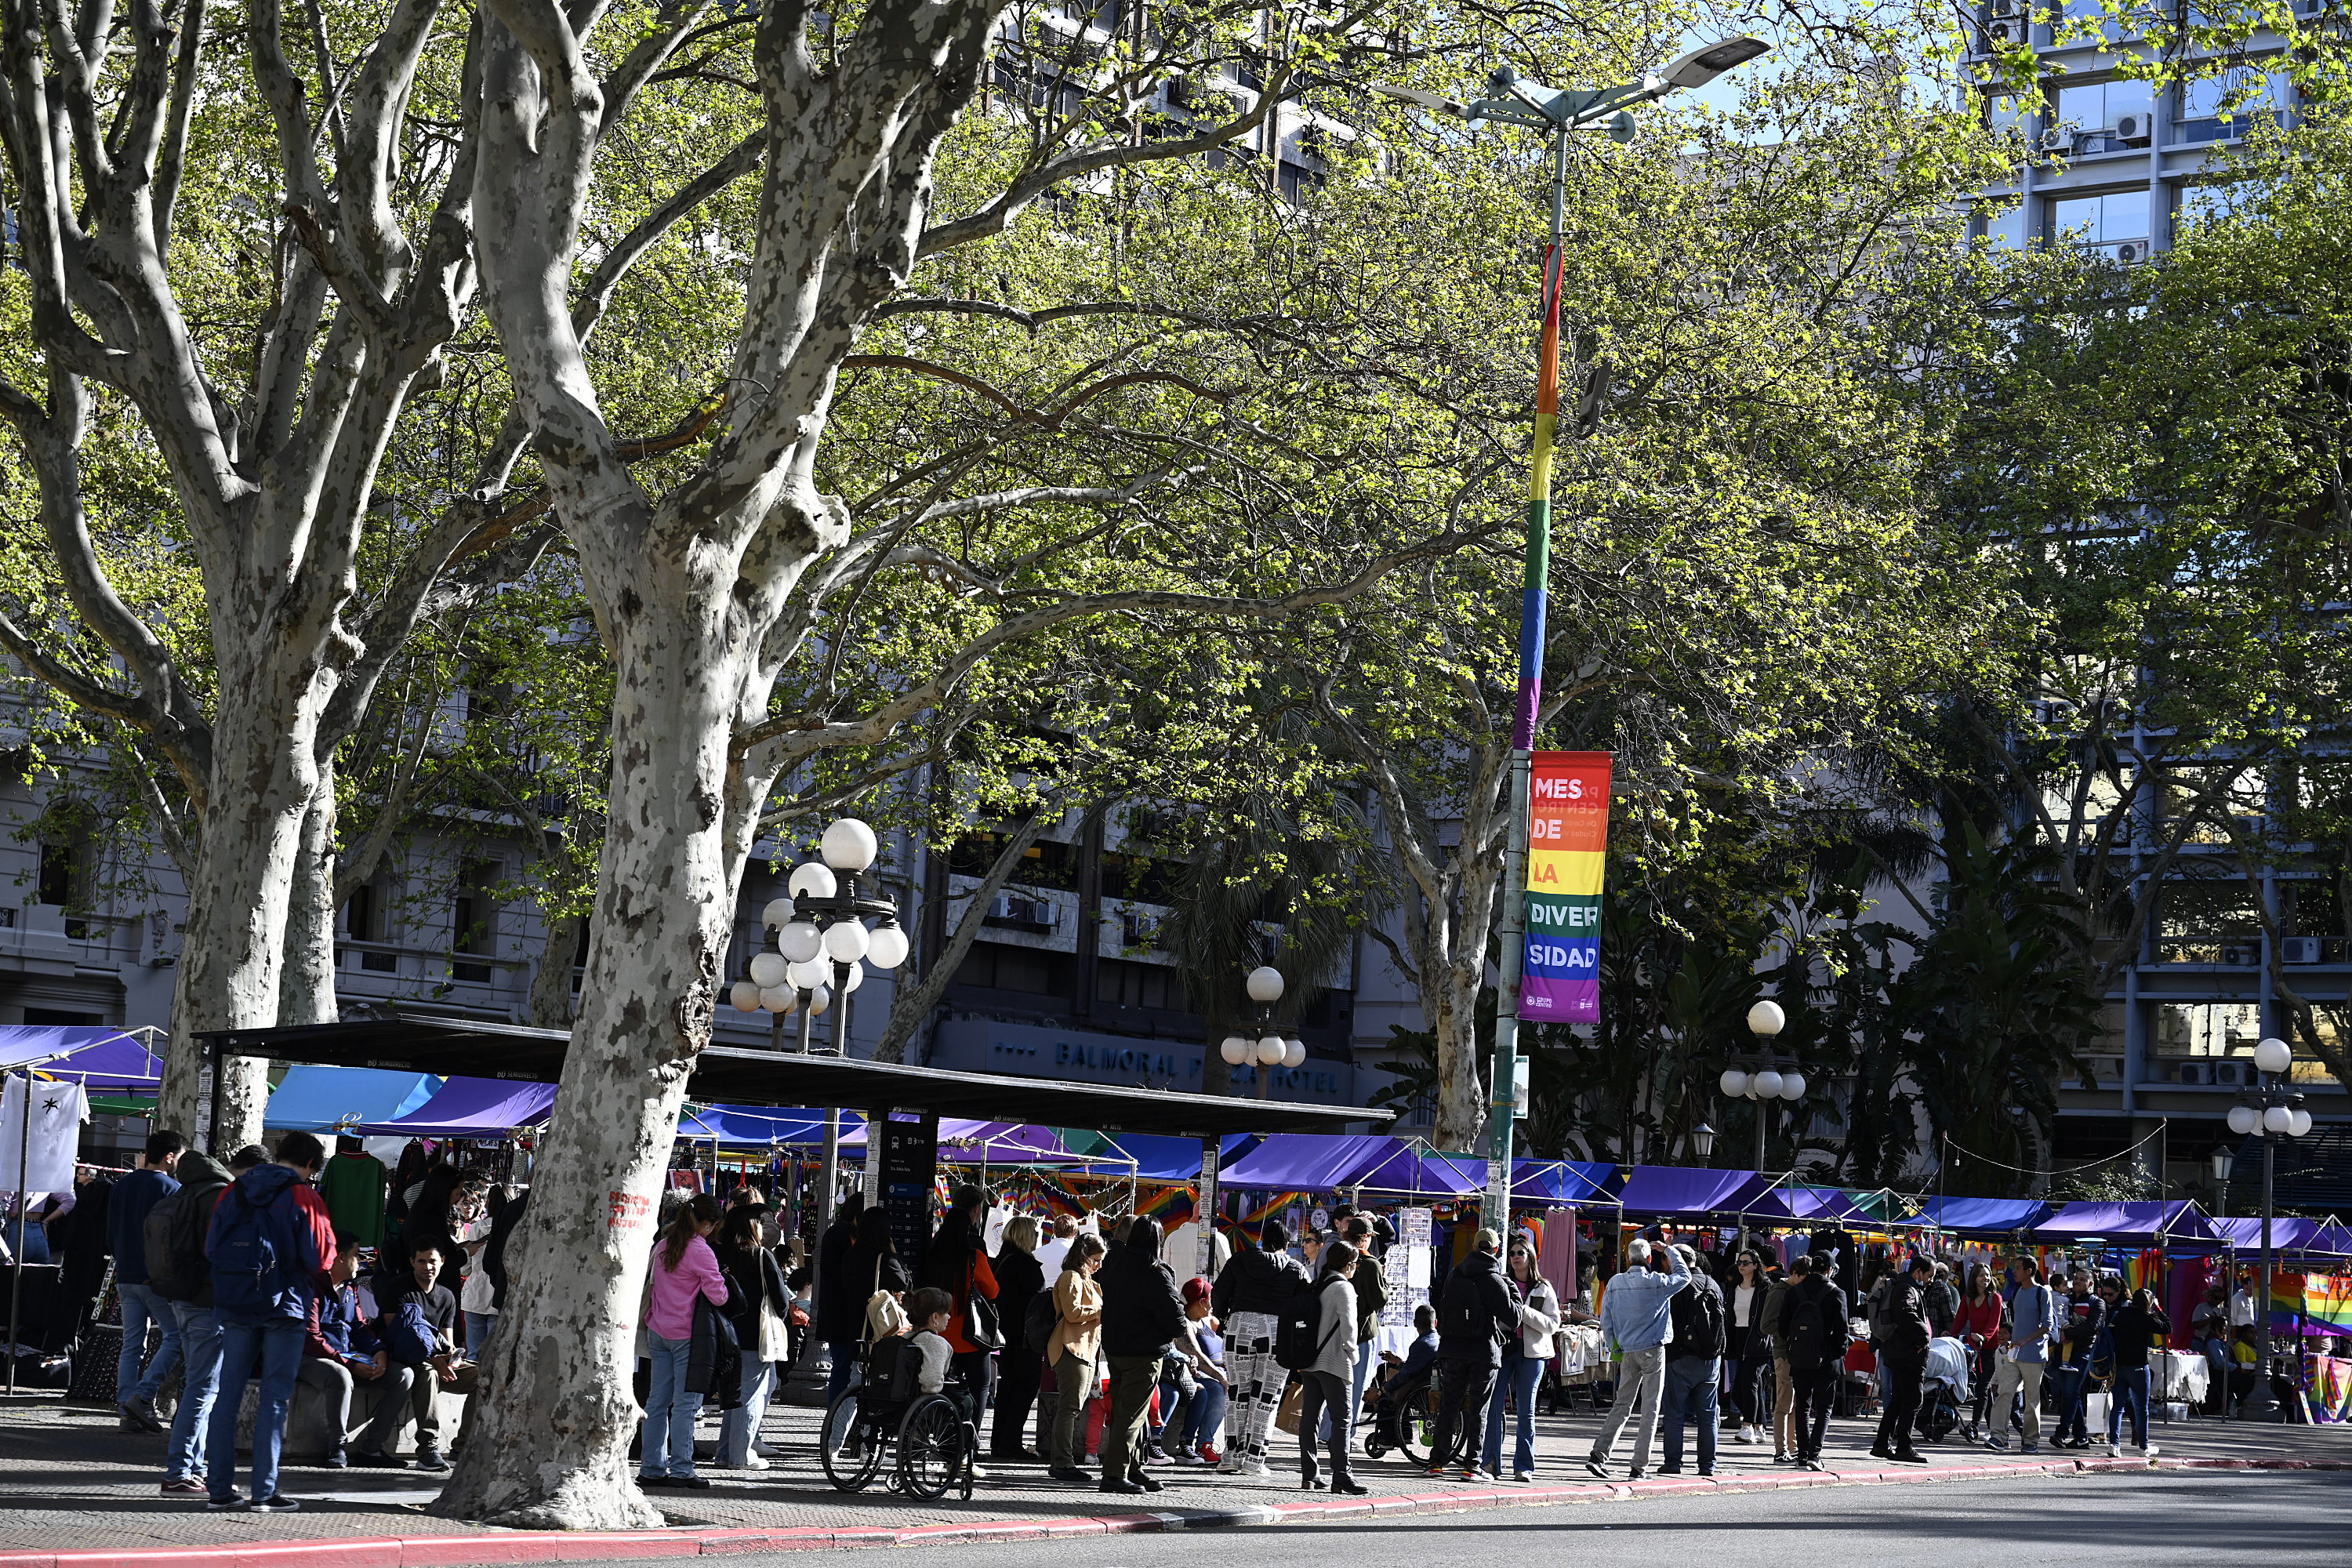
(911, 1404)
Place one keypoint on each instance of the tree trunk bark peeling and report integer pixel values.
(552, 1433)
(306, 985)
(550, 1006)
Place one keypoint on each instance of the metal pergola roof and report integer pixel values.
(433, 1043)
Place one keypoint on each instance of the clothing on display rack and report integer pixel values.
(353, 1186)
(43, 1136)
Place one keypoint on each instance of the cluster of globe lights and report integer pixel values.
(2274, 1057)
(1765, 1019)
(1269, 1050)
(803, 961)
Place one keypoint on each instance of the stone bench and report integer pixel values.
(310, 1422)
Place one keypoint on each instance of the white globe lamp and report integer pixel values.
(855, 976)
(812, 881)
(808, 974)
(1792, 1086)
(819, 999)
(849, 846)
(1734, 1083)
(2274, 1056)
(1271, 1049)
(846, 941)
(779, 999)
(2277, 1118)
(886, 946)
(1766, 1018)
(778, 912)
(1293, 1055)
(1236, 1049)
(1265, 983)
(2244, 1120)
(1767, 1084)
(745, 996)
(800, 942)
(2298, 1123)
(768, 968)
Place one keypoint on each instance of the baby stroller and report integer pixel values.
(1943, 1389)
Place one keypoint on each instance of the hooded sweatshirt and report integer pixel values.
(294, 1217)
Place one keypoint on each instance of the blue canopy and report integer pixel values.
(323, 1100)
(758, 1126)
(92, 1055)
(1161, 1158)
(1806, 1205)
(1680, 1192)
(2287, 1234)
(2144, 1224)
(1308, 1162)
(1983, 1217)
(471, 1108)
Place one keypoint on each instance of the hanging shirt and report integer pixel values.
(46, 1143)
(353, 1186)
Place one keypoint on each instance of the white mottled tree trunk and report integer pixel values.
(306, 984)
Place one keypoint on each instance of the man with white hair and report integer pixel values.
(1636, 1319)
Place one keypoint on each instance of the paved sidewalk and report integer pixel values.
(71, 1483)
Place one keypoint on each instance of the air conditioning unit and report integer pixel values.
(2008, 10)
(2134, 129)
(2057, 139)
(2012, 32)
(2300, 950)
(2238, 955)
(2131, 253)
(2230, 1073)
(1022, 914)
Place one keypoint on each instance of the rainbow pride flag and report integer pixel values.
(1170, 1206)
(1567, 843)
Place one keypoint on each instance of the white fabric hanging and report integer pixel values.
(48, 1144)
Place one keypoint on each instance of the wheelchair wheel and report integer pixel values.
(844, 1426)
(1416, 1407)
(934, 1453)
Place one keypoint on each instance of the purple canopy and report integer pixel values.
(1420, 1172)
(1678, 1191)
(2147, 1224)
(472, 1108)
(93, 1056)
(1983, 1217)
(964, 1140)
(1804, 1205)
(2246, 1235)
(1306, 1161)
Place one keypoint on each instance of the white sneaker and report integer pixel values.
(2147, 1451)
(2115, 1450)
(1745, 1435)
(1232, 1464)
(978, 1474)
(1258, 1469)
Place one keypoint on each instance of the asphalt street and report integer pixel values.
(2144, 1521)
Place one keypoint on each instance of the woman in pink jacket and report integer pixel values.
(684, 1267)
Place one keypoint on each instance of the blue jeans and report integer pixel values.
(845, 1354)
(478, 1332)
(1520, 1376)
(141, 1307)
(273, 1352)
(2074, 1387)
(2131, 1389)
(200, 1348)
(1205, 1417)
(670, 1410)
(1691, 1384)
(739, 1429)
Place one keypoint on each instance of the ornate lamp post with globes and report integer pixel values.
(2276, 1111)
(1269, 1051)
(1767, 1083)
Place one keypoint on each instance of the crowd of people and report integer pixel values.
(1060, 1324)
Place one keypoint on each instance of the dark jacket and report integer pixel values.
(714, 1357)
(1478, 1312)
(841, 1290)
(1255, 1281)
(294, 1217)
(1832, 1302)
(2134, 1332)
(2079, 1322)
(1142, 1312)
(1901, 1329)
(202, 1180)
(1683, 1311)
(126, 1221)
(753, 1280)
(1371, 1295)
(494, 1250)
(338, 1332)
(1019, 1277)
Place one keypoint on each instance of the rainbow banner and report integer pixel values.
(1567, 843)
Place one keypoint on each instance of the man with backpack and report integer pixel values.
(1899, 1334)
(1478, 1315)
(1694, 1365)
(1812, 1325)
(1637, 1317)
(271, 1244)
(2025, 1339)
(172, 1246)
(126, 1209)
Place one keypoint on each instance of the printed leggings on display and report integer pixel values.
(1258, 1382)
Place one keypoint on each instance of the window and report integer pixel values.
(2207, 1028)
(2100, 220)
(997, 967)
(2103, 106)
(2000, 114)
(366, 919)
(2203, 204)
(474, 920)
(1120, 984)
(60, 874)
(2214, 107)
(2003, 228)
(1046, 864)
(1298, 182)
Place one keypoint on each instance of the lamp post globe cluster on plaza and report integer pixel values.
(1269, 1050)
(2273, 1108)
(818, 942)
(1765, 1082)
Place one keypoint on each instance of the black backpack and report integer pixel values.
(1297, 1342)
(1037, 1323)
(171, 1242)
(1809, 1335)
(892, 1366)
(1698, 1330)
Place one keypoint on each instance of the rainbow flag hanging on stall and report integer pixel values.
(1567, 843)
(1170, 1206)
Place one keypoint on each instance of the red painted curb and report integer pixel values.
(528, 1547)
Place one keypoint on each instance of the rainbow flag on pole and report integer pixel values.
(1567, 843)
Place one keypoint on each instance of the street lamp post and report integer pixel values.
(1269, 1050)
(1559, 113)
(1767, 1082)
(2275, 1110)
